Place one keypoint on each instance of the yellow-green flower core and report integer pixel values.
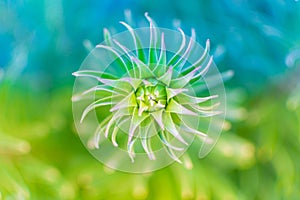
(151, 96)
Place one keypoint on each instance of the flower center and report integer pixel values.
(151, 96)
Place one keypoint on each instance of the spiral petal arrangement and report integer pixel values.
(150, 94)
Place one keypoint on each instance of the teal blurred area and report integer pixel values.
(257, 156)
(46, 37)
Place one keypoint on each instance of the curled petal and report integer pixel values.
(174, 92)
(118, 55)
(200, 61)
(152, 57)
(92, 106)
(146, 143)
(127, 102)
(187, 99)
(205, 69)
(158, 118)
(135, 122)
(170, 127)
(115, 117)
(166, 78)
(204, 113)
(128, 54)
(103, 88)
(187, 128)
(183, 41)
(93, 74)
(164, 140)
(171, 153)
(94, 142)
(181, 61)
(184, 80)
(138, 47)
(162, 60)
(119, 123)
(145, 72)
(174, 107)
(130, 150)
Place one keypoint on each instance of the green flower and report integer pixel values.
(152, 92)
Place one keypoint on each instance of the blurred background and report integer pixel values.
(258, 154)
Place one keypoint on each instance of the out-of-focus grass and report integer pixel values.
(42, 157)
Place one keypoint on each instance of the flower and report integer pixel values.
(151, 92)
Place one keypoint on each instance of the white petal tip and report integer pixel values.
(81, 120)
(115, 144)
(230, 73)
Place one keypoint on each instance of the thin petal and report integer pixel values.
(181, 61)
(172, 154)
(104, 88)
(203, 72)
(134, 82)
(184, 80)
(94, 105)
(135, 122)
(158, 118)
(175, 57)
(114, 135)
(213, 81)
(94, 142)
(138, 47)
(146, 144)
(174, 92)
(187, 99)
(164, 140)
(120, 113)
(144, 69)
(162, 61)
(204, 113)
(200, 61)
(93, 74)
(127, 102)
(174, 107)
(187, 128)
(207, 108)
(170, 127)
(115, 131)
(152, 57)
(129, 55)
(166, 78)
(119, 84)
(119, 57)
(130, 150)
